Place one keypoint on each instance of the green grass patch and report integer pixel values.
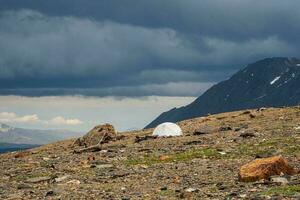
(179, 157)
(279, 145)
(25, 176)
(167, 193)
(287, 190)
(282, 145)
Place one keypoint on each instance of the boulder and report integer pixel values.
(225, 128)
(264, 168)
(248, 134)
(98, 135)
(204, 130)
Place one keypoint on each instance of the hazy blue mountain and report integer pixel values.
(269, 82)
(23, 136)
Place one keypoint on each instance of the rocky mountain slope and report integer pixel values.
(201, 164)
(269, 82)
(14, 135)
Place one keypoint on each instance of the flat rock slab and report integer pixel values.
(104, 166)
(263, 168)
(38, 179)
(62, 178)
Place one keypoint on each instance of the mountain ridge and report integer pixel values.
(265, 83)
(22, 136)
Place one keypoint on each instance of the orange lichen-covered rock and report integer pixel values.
(263, 168)
(162, 157)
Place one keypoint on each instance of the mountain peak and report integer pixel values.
(271, 82)
(5, 128)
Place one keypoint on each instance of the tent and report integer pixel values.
(167, 129)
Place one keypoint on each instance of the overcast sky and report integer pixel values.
(137, 48)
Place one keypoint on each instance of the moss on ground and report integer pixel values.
(284, 145)
(179, 157)
(288, 190)
(167, 193)
(287, 146)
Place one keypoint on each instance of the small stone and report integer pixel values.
(176, 179)
(38, 179)
(143, 166)
(46, 158)
(253, 190)
(91, 158)
(261, 109)
(185, 195)
(190, 190)
(24, 186)
(76, 182)
(21, 154)
(195, 142)
(279, 180)
(162, 157)
(252, 115)
(104, 166)
(225, 128)
(164, 188)
(246, 112)
(62, 178)
(97, 162)
(123, 188)
(139, 139)
(237, 129)
(247, 134)
(49, 193)
(203, 130)
(266, 154)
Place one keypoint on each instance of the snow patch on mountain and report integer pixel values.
(274, 80)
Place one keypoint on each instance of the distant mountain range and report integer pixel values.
(270, 82)
(23, 136)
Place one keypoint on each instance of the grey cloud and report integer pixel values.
(168, 89)
(34, 43)
(230, 19)
(73, 52)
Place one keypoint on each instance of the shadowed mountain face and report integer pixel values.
(269, 82)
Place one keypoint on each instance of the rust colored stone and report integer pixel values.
(263, 168)
(162, 157)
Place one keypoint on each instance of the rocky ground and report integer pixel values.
(201, 164)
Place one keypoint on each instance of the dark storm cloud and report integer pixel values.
(234, 19)
(168, 89)
(137, 48)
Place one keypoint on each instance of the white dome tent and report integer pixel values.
(167, 129)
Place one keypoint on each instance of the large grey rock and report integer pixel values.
(98, 135)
